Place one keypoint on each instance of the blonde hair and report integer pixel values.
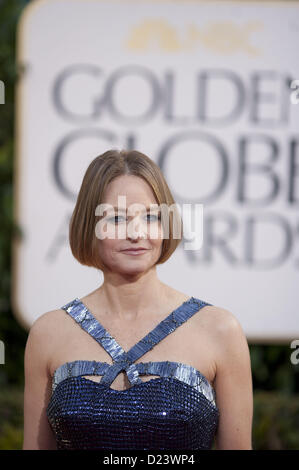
(100, 172)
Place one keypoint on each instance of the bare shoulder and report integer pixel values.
(223, 327)
(221, 320)
(233, 380)
(46, 321)
(44, 331)
(227, 334)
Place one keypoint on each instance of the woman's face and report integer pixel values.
(130, 226)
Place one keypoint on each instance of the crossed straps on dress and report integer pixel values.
(122, 360)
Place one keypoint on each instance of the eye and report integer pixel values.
(115, 219)
(153, 217)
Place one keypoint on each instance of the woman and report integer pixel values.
(135, 364)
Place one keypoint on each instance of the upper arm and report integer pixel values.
(37, 431)
(233, 385)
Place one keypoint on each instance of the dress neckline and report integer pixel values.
(164, 320)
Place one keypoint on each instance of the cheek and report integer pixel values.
(106, 231)
(157, 242)
(108, 248)
(155, 233)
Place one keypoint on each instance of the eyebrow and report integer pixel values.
(120, 209)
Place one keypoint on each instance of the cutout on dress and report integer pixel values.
(144, 378)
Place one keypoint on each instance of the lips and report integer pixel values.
(135, 251)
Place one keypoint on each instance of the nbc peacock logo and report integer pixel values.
(222, 38)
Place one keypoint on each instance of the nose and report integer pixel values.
(135, 230)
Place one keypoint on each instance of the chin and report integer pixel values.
(134, 269)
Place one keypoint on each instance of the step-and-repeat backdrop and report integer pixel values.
(208, 91)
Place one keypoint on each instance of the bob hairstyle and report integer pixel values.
(100, 172)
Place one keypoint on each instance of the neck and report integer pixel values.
(128, 299)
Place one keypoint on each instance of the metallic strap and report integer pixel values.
(124, 361)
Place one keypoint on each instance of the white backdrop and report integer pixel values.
(203, 88)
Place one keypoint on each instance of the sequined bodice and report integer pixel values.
(177, 410)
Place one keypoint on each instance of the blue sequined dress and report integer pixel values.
(176, 410)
